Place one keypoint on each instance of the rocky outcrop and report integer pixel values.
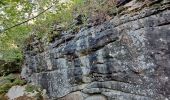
(125, 58)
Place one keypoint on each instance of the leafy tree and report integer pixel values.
(20, 18)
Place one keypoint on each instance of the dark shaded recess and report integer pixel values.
(109, 65)
(44, 82)
(29, 47)
(79, 20)
(70, 49)
(75, 74)
(168, 51)
(77, 71)
(100, 42)
(155, 1)
(54, 37)
(121, 2)
(34, 64)
(93, 66)
(110, 68)
(64, 41)
(10, 67)
(83, 44)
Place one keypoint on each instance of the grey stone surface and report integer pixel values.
(73, 96)
(126, 58)
(96, 97)
(15, 92)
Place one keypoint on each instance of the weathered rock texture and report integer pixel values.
(126, 58)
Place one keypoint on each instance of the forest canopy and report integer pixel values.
(20, 18)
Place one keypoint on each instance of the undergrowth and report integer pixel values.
(8, 81)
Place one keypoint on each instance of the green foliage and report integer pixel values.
(8, 81)
(13, 12)
(5, 87)
(38, 20)
(19, 82)
(10, 77)
(31, 88)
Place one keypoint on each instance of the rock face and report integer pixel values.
(126, 58)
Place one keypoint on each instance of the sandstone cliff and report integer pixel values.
(125, 58)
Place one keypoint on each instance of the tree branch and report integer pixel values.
(27, 19)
